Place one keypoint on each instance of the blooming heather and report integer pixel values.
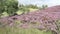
(46, 18)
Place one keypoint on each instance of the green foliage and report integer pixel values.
(32, 6)
(44, 6)
(58, 25)
(8, 6)
(11, 7)
(24, 9)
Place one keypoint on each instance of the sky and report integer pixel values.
(40, 2)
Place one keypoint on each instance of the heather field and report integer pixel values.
(18, 18)
(37, 22)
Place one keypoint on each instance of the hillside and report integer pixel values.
(40, 19)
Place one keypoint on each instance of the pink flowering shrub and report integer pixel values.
(47, 18)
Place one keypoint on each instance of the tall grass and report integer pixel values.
(15, 30)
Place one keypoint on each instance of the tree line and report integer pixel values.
(11, 7)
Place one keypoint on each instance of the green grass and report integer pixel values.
(31, 10)
(4, 14)
(14, 30)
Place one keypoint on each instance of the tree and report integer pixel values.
(24, 9)
(44, 6)
(32, 6)
(9, 6)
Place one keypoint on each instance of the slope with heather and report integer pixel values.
(40, 19)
